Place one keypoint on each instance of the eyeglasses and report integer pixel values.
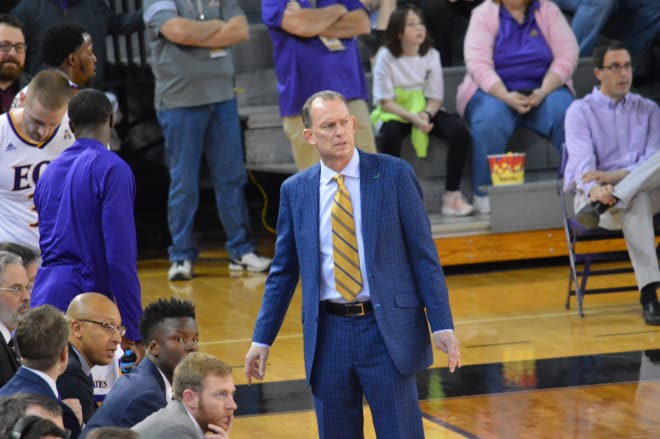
(617, 68)
(121, 330)
(5, 47)
(18, 290)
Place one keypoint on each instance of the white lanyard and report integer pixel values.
(200, 8)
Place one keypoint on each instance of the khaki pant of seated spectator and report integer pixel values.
(306, 155)
(639, 195)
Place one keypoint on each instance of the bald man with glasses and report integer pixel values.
(95, 331)
(14, 302)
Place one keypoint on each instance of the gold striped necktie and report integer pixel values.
(348, 279)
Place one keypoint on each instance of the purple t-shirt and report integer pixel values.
(305, 66)
(521, 54)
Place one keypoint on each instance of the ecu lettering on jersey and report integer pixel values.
(22, 161)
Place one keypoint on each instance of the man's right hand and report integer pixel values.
(255, 362)
(602, 194)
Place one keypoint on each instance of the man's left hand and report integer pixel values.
(604, 177)
(447, 342)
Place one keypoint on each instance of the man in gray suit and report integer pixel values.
(203, 402)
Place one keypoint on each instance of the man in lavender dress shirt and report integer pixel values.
(613, 142)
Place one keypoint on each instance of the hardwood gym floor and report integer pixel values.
(531, 369)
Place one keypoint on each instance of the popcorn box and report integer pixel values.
(507, 168)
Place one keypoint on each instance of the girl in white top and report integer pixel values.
(407, 72)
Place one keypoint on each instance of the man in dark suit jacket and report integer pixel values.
(169, 332)
(373, 344)
(203, 392)
(14, 301)
(41, 337)
(9, 361)
(95, 331)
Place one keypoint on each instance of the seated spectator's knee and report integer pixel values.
(599, 7)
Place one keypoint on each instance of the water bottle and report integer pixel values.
(127, 361)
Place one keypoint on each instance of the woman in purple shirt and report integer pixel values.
(519, 55)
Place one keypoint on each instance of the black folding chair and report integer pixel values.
(575, 234)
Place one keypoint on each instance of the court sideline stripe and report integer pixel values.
(449, 426)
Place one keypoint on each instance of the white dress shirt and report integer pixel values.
(168, 386)
(51, 382)
(5, 333)
(327, 189)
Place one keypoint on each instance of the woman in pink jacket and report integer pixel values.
(520, 56)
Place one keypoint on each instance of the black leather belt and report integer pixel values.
(357, 309)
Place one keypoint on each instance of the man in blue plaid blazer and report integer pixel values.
(373, 345)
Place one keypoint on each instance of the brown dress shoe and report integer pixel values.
(589, 215)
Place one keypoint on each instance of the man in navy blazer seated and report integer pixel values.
(361, 243)
(169, 332)
(41, 338)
